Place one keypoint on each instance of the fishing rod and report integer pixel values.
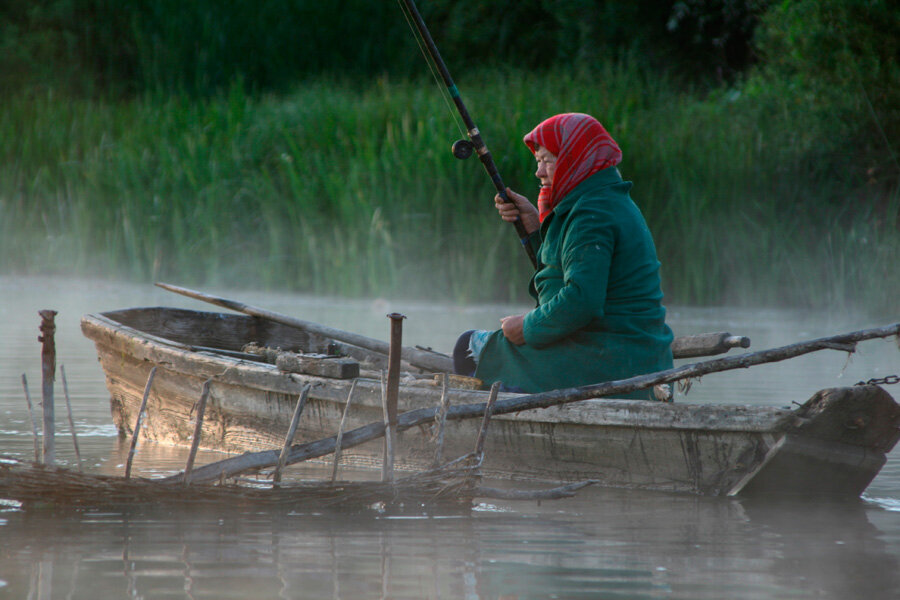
(462, 149)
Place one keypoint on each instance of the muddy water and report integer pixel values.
(600, 544)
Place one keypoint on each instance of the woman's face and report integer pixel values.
(546, 165)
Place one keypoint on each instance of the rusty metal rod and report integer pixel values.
(48, 375)
(393, 381)
(393, 391)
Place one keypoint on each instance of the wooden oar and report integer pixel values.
(249, 461)
(431, 361)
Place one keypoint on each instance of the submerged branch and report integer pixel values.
(563, 491)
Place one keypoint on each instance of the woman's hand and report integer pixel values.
(520, 207)
(513, 329)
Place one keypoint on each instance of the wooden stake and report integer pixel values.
(477, 456)
(442, 420)
(48, 374)
(340, 433)
(34, 429)
(198, 430)
(387, 465)
(138, 422)
(482, 432)
(391, 393)
(289, 438)
(62, 372)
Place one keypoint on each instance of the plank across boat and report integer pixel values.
(834, 443)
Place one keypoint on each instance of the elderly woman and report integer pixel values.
(599, 314)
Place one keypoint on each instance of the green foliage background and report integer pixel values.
(300, 144)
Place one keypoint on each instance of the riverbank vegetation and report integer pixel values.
(770, 178)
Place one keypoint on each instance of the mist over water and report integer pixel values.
(601, 544)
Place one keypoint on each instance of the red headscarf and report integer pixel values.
(582, 147)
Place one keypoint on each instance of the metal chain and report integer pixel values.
(881, 380)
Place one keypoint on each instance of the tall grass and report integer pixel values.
(350, 189)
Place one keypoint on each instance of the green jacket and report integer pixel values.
(599, 314)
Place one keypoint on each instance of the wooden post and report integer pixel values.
(393, 381)
(138, 422)
(392, 394)
(48, 374)
(340, 433)
(62, 372)
(34, 429)
(289, 438)
(198, 430)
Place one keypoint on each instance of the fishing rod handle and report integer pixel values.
(524, 236)
(491, 167)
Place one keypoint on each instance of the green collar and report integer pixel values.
(600, 179)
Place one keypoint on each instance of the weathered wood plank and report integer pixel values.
(323, 366)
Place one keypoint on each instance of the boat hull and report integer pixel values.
(705, 449)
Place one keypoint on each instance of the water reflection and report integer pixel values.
(603, 544)
(834, 550)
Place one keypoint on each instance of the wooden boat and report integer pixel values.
(835, 443)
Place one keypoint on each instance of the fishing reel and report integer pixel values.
(462, 149)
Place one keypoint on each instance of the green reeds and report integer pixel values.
(351, 189)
